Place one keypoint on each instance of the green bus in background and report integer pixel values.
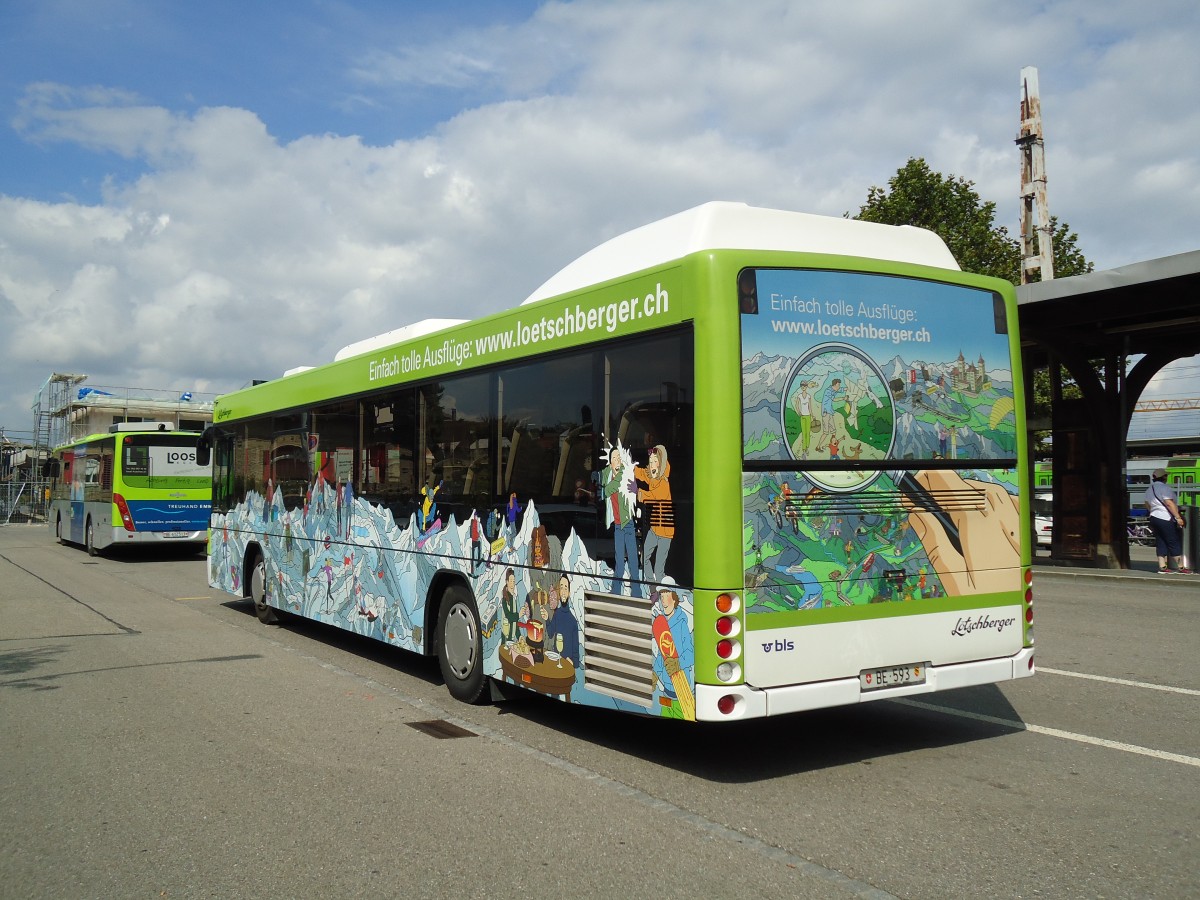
(1183, 474)
(138, 484)
(736, 463)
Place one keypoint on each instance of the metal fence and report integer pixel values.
(22, 502)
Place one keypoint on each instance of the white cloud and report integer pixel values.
(234, 254)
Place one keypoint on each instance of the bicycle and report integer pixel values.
(1140, 532)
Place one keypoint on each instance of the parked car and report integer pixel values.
(1043, 518)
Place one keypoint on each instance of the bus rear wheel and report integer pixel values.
(256, 586)
(89, 541)
(58, 530)
(460, 645)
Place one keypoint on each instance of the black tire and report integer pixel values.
(88, 541)
(256, 589)
(460, 645)
(58, 530)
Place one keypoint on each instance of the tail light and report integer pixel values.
(123, 509)
(729, 650)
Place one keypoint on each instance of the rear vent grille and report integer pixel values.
(619, 642)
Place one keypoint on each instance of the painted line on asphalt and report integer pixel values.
(1141, 684)
(1057, 732)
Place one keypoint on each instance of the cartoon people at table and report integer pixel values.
(510, 606)
(562, 629)
(657, 496)
(620, 504)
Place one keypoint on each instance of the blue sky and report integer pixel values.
(195, 195)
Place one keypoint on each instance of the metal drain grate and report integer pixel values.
(441, 729)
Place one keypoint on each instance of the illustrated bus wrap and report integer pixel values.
(740, 462)
(137, 484)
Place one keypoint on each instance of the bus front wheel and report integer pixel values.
(89, 541)
(460, 646)
(58, 530)
(256, 585)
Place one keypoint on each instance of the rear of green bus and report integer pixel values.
(876, 417)
(160, 494)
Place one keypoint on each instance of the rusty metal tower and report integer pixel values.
(1037, 241)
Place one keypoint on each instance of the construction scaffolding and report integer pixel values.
(66, 409)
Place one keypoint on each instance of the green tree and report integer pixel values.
(949, 206)
(1068, 258)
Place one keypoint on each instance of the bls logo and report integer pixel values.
(781, 646)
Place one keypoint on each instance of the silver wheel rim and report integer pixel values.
(258, 584)
(459, 641)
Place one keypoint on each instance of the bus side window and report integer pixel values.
(650, 397)
(389, 476)
(456, 444)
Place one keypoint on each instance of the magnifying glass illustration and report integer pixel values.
(852, 417)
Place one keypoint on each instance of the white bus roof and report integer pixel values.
(395, 336)
(722, 225)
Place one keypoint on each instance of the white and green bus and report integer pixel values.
(739, 462)
(138, 484)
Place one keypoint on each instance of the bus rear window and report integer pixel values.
(847, 368)
(151, 460)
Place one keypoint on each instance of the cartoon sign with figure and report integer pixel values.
(887, 406)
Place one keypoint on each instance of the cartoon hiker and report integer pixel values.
(803, 406)
(620, 500)
(348, 502)
(476, 543)
(829, 401)
(676, 653)
(657, 475)
(510, 516)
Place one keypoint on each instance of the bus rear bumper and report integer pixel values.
(752, 703)
(123, 538)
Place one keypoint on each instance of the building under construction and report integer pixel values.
(67, 408)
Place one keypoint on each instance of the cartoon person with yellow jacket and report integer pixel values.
(657, 496)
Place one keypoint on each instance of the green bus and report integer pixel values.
(1183, 474)
(138, 484)
(1043, 475)
(739, 462)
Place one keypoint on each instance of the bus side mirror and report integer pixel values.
(204, 448)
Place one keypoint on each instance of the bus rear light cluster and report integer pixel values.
(729, 650)
(123, 509)
(727, 704)
(1029, 607)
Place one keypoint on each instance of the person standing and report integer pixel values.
(620, 493)
(657, 496)
(1166, 522)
